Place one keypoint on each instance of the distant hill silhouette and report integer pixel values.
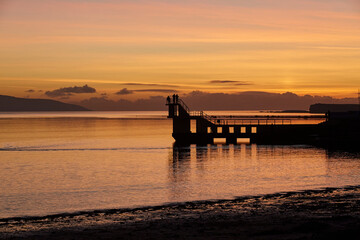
(14, 104)
(323, 108)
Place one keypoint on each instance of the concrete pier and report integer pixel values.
(234, 130)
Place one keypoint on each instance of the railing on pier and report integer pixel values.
(240, 120)
(257, 120)
(252, 121)
(204, 115)
(181, 102)
(246, 120)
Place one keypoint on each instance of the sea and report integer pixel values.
(69, 162)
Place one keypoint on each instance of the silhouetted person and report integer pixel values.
(174, 97)
(168, 99)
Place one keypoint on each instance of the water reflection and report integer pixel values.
(198, 170)
(220, 171)
(349, 154)
(179, 172)
(343, 166)
(180, 162)
(62, 165)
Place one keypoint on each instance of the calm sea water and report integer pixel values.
(68, 162)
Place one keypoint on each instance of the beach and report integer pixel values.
(329, 213)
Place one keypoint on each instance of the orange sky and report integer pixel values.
(148, 47)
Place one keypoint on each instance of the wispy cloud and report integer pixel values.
(156, 90)
(124, 91)
(149, 84)
(351, 48)
(68, 91)
(233, 82)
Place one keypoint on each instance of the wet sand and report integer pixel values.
(331, 213)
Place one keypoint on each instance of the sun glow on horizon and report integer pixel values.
(153, 47)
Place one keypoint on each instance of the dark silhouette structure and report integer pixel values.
(324, 108)
(336, 129)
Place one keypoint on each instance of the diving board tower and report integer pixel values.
(180, 114)
(182, 119)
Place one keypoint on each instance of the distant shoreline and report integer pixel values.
(324, 213)
(88, 118)
(15, 104)
(287, 111)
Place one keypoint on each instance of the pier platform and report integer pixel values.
(196, 127)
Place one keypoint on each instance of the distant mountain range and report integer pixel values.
(14, 104)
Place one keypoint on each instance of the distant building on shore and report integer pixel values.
(324, 108)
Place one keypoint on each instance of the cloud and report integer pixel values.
(30, 91)
(68, 91)
(124, 91)
(155, 103)
(198, 100)
(149, 84)
(230, 82)
(256, 100)
(157, 90)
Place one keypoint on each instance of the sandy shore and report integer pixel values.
(332, 213)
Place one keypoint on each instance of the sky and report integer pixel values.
(76, 50)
